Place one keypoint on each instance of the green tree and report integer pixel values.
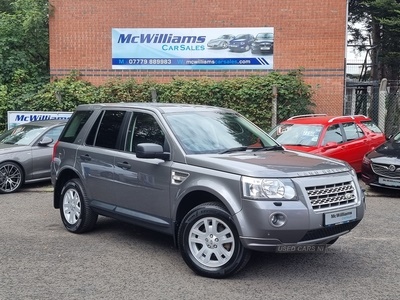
(5, 6)
(24, 40)
(380, 33)
(24, 52)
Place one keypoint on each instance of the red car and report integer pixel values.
(343, 137)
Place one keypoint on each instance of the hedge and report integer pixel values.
(251, 96)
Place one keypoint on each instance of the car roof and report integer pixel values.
(324, 119)
(155, 106)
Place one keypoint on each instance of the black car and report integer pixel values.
(381, 167)
(264, 43)
(241, 43)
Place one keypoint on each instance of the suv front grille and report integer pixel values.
(391, 171)
(331, 195)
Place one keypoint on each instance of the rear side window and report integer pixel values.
(74, 126)
(106, 129)
(371, 126)
(352, 131)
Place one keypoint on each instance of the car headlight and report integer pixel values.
(268, 188)
(366, 160)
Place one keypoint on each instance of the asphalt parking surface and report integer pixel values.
(39, 259)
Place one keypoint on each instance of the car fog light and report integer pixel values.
(277, 219)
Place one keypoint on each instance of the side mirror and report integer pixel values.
(330, 145)
(45, 141)
(150, 150)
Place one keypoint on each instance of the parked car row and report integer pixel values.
(263, 43)
(26, 149)
(215, 182)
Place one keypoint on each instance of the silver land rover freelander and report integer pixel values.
(215, 182)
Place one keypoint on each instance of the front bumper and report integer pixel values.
(369, 177)
(304, 225)
(261, 49)
(238, 47)
(321, 236)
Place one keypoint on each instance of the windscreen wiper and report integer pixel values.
(270, 148)
(234, 149)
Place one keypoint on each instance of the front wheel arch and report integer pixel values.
(62, 178)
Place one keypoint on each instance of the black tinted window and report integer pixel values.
(109, 128)
(143, 129)
(75, 125)
(93, 131)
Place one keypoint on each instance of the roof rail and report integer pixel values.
(348, 116)
(307, 116)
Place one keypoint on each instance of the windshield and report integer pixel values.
(297, 134)
(216, 132)
(240, 36)
(265, 36)
(396, 138)
(21, 135)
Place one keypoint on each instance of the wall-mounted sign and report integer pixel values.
(15, 118)
(193, 48)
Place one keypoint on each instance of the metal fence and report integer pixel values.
(378, 100)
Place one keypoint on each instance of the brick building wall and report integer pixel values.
(309, 34)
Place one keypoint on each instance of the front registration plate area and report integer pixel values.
(340, 217)
(388, 181)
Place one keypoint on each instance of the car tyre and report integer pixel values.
(209, 242)
(11, 177)
(75, 211)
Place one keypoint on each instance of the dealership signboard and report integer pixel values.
(15, 118)
(193, 48)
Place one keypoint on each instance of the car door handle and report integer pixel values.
(124, 165)
(86, 157)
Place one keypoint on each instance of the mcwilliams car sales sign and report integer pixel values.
(193, 48)
(20, 117)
